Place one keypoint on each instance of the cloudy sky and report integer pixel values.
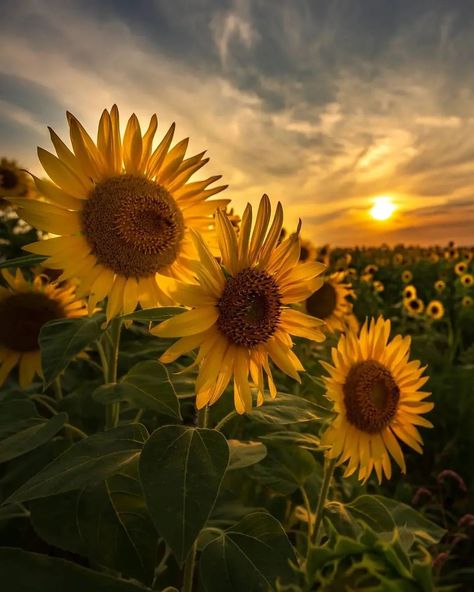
(323, 105)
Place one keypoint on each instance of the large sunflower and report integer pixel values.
(240, 319)
(330, 303)
(24, 308)
(375, 390)
(123, 211)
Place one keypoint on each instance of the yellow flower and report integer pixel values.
(460, 268)
(330, 303)
(240, 319)
(467, 302)
(440, 285)
(414, 306)
(24, 308)
(451, 254)
(435, 310)
(375, 390)
(308, 251)
(323, 255)
(14, 182)
(123, 212)
(378, 286)
(407, 276)
(371, 269)
(409, 292)
(467, 280)
(398, 259)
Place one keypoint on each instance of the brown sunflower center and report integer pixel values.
(322, 303)
(21, 318)
(8, 179)
(371, 396)
(133, 225)
(414, 304)
(249, 308)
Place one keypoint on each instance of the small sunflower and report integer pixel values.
(324, 255)
(24, 308)
(451, 254)
(398, 259)
(240, 319)
(467, 280)
(308, 252)
(371, 269)
(123, 212)
(378, 286)
(460, 267)
(331, 302)
(467, 302)
(435, 310)
(407, 276)
(409, 292)
(440, 286)
(434, 257)
(14, 182)
(375, 390)
(414, 306)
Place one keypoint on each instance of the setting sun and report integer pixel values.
(382, 209)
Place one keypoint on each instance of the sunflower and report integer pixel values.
(239, 318)
(467, 280)
(376, 397)
(24, 308)
(330, 303)
(467, 302)
(398, 259)
(378, 286)
(371, 269)
(440, 285)
(14, 182)
(407, 276)
(308, 252)
(460, 267)
(409, 292)
(123, 212)
(323, 255)
(451, 254)
(414, 306)
(435, 310)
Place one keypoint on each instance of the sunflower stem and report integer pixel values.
(112, 411)
(327, 478)
(307, 506)
(188, 576)
(58, 391)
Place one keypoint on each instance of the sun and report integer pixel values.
(383, 208)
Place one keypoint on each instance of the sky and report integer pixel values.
(323, 105)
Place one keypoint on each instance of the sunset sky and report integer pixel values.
(323, 105)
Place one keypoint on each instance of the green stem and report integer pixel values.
(112, 411)
(75, 430)
(220, 424)
(328, 472)
(103, 360)
(188, 576)
(307, 505)
(58, 391)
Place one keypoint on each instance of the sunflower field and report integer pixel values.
(198, 399)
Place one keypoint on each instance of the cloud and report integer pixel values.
(321, 105)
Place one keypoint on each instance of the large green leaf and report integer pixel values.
(286, 409)
(30, 435)
(15, 411)
(160, 314)
(62, 339)
(181, 469)
(21, 571)
(248, 556)
(285, 468)
(146, 386)
(245, 454)
(88, 462)
(107, 523)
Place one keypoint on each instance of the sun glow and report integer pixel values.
(383, 208)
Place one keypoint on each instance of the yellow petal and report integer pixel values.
(188, 323)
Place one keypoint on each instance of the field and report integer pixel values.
(112, 480)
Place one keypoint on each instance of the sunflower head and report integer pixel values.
(376, 397)
(240, 319)
(435, 310)
(398, 259)
(14, 182)
(331, 302)
(409, 292)
(414, 306)
(440, 286)
(467, 280)
(467, 302)
(378, 286)
(371, 269)
(24, 308)
(123, 211)
(308, 252)
(407, 276)
(460, 267)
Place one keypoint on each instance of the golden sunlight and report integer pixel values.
(383, 208)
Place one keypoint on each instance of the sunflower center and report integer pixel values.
(133, 225)
(304, 253)
(322, 303)
(371, 396)
(414, 304)
(249, 308)
(21, 319)
(8, 178)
